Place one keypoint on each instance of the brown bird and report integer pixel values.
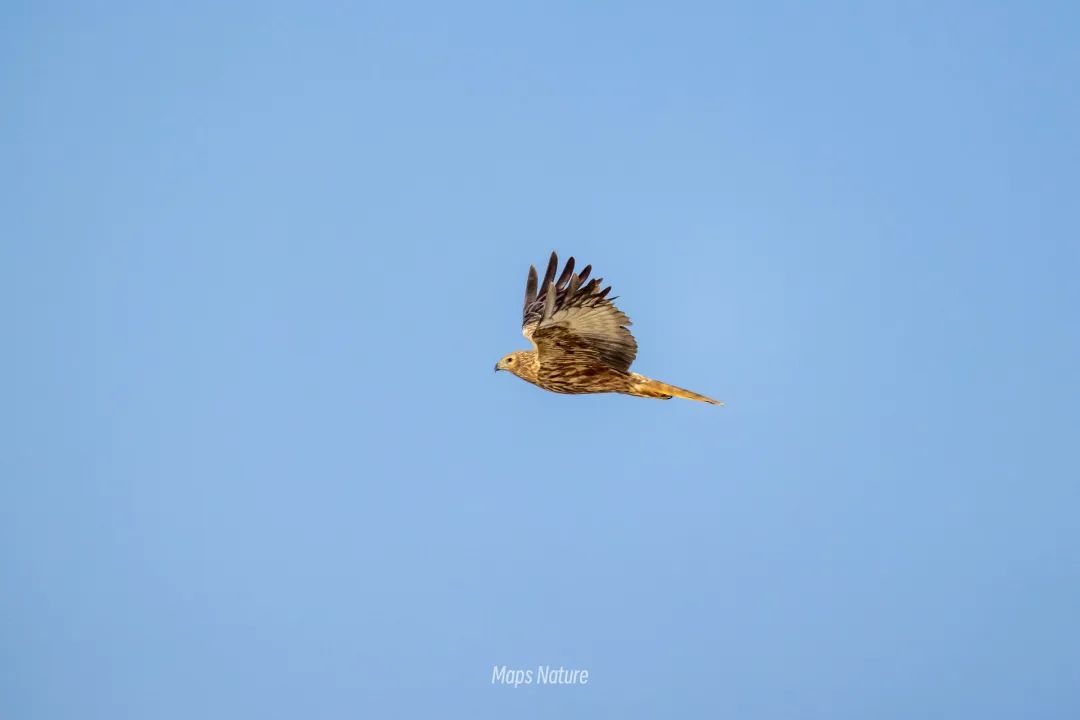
(581, 340)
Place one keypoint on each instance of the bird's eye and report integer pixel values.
(509, 360)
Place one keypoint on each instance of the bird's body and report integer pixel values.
(581, 339)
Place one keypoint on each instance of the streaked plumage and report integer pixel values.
(581, 340)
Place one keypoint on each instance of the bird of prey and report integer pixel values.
(581, 340)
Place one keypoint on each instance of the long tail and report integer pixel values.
(641, 386)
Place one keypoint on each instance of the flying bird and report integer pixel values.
(581, 341)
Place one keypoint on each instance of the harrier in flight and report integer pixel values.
(581, 341)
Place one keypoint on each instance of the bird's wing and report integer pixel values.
(570, 317)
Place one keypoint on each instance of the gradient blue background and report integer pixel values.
(257, 263)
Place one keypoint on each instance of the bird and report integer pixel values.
(581, 341)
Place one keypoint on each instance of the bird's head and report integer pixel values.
(522, 363)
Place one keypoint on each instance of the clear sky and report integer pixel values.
(257, 261)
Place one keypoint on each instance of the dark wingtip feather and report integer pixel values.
(566, 273)
(549, 275)
(530, 287)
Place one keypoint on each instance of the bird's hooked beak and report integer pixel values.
(496, 367)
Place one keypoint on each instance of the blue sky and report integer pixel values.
(256, 264)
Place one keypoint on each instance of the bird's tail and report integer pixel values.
(641, 386)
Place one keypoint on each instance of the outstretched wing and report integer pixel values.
(572, 319)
